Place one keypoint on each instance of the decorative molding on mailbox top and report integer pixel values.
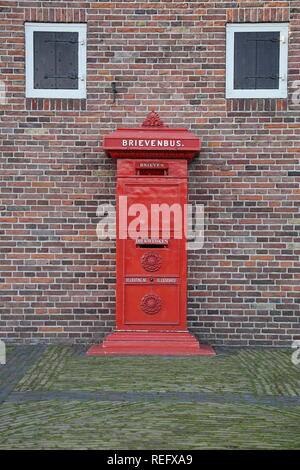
(152, 140)
(153, 120)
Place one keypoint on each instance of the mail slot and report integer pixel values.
(151, 267)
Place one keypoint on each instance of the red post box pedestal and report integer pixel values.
(151, 241)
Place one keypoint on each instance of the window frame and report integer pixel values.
(30, 91)
(282, 91)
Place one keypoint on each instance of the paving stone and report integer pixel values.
(55, 397)
(243, 371)
(271, 372)
(130, 425)
(153, 396)
(19, 360)
(47, 366)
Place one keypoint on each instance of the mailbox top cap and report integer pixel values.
(152, 140)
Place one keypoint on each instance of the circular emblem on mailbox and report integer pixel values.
(151, 304)
(151, 261)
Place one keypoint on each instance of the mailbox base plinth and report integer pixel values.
(135, 343)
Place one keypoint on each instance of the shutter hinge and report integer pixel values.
(271, 77)
(265, 40)
(62, 40)
(266, 77)
(70, 77)
(81, 43)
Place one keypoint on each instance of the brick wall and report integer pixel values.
(57, 279)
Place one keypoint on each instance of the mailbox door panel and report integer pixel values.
(149, 300)
(148, 306)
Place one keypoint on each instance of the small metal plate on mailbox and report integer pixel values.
(155, 280)
(167, 280)
(136, 280)
(151, 168)
(151, 165)
(152, 242)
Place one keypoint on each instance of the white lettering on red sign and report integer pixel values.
(152, 165)
(135, 279)
(154, 241)
(152, 143)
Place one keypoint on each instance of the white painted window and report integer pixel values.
(257, 60)
(55, 55)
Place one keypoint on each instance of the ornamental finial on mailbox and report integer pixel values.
(153, 120)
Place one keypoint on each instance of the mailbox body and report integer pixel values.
(151, 251)
(151, 286)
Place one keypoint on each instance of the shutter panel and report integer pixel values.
(256, 60)
(268, 47)
(244, 61)
(44, 59)
(55, 60)
(67, 60)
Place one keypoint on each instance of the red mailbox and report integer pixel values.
(151, 241)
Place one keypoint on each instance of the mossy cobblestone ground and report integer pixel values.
(55, 397)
